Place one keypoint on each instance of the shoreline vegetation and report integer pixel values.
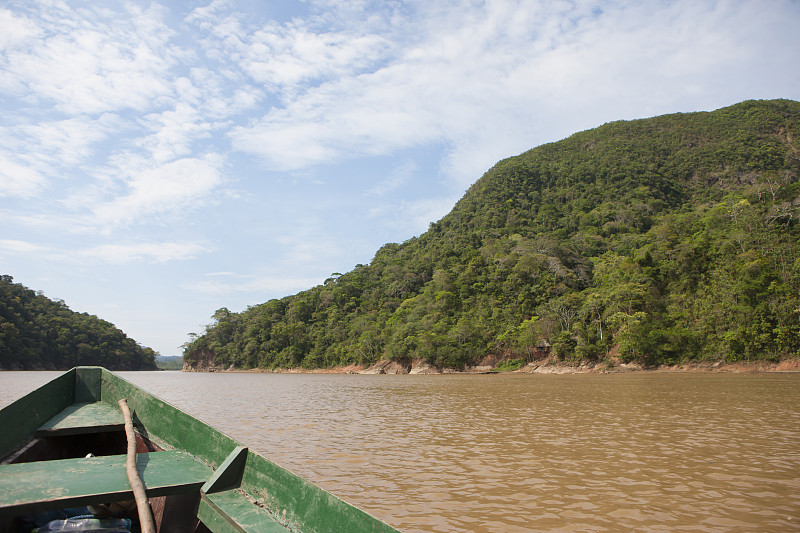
(546, 366)
(653, 243)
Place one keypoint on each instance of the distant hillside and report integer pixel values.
(662, 240)
(169, 362)
(37, 333)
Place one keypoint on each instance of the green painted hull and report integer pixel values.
(216, 479)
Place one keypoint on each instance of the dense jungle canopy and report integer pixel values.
(38, 333)
(662, 240)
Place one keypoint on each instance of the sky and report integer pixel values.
(161, 160)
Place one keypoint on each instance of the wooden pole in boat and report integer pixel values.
(142, 504)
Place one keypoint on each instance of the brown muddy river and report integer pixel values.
(509, 453)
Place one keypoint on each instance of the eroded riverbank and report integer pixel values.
(537, 367)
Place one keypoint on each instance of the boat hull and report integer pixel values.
(198, 479)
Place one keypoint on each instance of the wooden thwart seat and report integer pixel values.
(43, 485)
(225, 509)
(230, 511)
(82, 418)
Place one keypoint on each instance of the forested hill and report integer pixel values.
(661, 240)
(37, 333)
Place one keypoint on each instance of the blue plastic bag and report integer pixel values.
(95, 525)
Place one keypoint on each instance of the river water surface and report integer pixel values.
(510, 452)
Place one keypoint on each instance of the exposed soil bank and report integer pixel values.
(539, 367)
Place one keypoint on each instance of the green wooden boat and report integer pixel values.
(197, 479)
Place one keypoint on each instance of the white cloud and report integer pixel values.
(16, 29)
(89, 60)
(183, 184)
(307, 243)
(219, 94)
(291, 55)
(63, 142)
(285, 56)
(251, 284)
(124, 253)
(447, 86)
(18, 179)
(365, 115)
(286, 144)
(394, 180)
(490, 80)
(414, 217)
(173, 132)
(109, 253)
(17, 246)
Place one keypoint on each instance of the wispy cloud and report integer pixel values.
(93, 65)
(228, 283)
(285, 57)
(91, 60)
(17, 246)
(152, 191)
(484, 81)
(173, 132)
(109, 253)
(399, 176)
(123, 253)
(412, 217)
(19, 179)
(64, 142)
(17, 29)
(488, 79)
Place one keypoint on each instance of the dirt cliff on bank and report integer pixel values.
(490, 364)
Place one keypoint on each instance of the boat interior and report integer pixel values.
(75, 466)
